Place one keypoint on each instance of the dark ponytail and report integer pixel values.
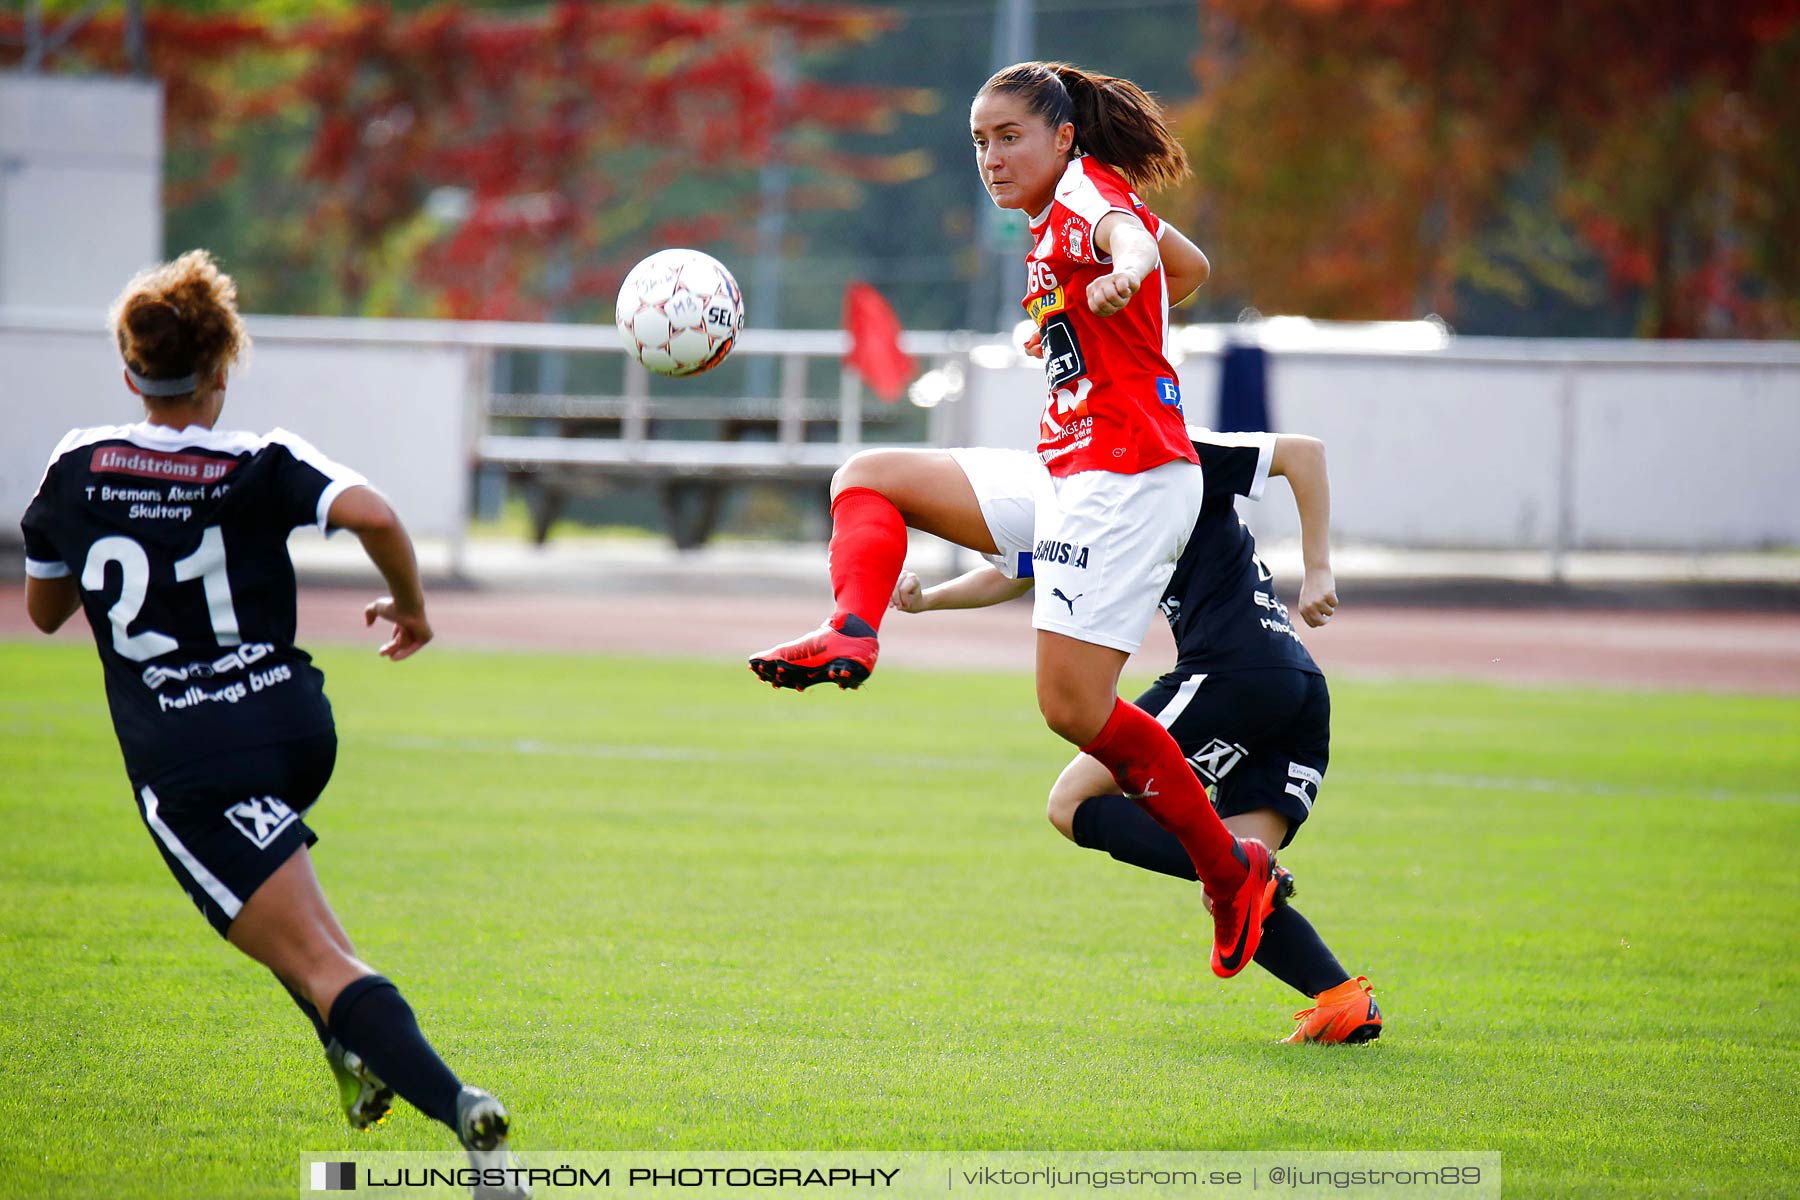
(1115, 120)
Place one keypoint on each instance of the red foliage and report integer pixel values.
(562, 128)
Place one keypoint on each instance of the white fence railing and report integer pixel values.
(1501, 443)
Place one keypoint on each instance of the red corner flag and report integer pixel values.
(875, 351)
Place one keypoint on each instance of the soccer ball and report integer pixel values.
(679, 312)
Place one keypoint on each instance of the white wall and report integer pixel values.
(1486, 443)
(1688, 458)
(1425, 452)
(396, 410)
(1511, 443)
(80, 187)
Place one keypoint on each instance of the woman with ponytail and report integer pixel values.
(171, 535)
(1115, 487)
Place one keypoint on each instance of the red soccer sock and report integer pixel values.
(1148, 764)
(868, 551)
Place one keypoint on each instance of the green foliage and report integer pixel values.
(655, 906)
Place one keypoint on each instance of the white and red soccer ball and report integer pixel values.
(679, 312)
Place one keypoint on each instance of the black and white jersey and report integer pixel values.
(1220, 602)
(178, 540)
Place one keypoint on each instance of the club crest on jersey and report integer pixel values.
(261, 819)
(1052, 551)
(1077, 240)
(1052, 301)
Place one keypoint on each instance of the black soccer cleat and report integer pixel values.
(481, 1127)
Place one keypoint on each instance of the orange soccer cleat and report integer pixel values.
(1238, 919)
(1346, 1013)
(841, 651)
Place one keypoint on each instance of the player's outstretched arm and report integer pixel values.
(50, 602)
(1185, 269)
(977, 589)
(373, 520)
(1134, 256)
(1184, 264)
(1302, 461)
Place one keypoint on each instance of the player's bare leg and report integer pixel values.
(289, 927)
(927, 487)
(287, 921)
(875, 497)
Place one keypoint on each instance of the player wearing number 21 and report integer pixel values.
(171, 534)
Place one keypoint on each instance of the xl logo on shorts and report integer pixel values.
(1061, 552)
(261, 820)
(1214, 761)
(1303, 784)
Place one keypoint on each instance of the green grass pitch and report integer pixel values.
(654, 906)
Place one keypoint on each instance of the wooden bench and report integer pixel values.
(577, 442)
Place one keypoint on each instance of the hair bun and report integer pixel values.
(180, 319)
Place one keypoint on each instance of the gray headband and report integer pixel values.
(163, 387)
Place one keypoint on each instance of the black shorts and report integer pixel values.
(1257, 739)
(226, 822)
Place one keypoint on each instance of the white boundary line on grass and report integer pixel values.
(1444, 780)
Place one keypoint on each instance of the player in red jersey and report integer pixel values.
(1122, 485)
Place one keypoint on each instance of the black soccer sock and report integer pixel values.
(1291, 949)
(1131, 835)
(373, 1019)
(312, 1014)
(1293, 952)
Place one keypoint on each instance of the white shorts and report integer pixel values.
(1009, 485)
(1100, 545)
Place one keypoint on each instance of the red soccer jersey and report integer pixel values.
(1115, 402)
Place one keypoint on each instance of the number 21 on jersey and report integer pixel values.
(206, 564)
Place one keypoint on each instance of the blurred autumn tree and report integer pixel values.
(466, 162)
(1390, 158)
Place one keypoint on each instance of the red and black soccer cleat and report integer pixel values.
(841, 651)
(1238, 918)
